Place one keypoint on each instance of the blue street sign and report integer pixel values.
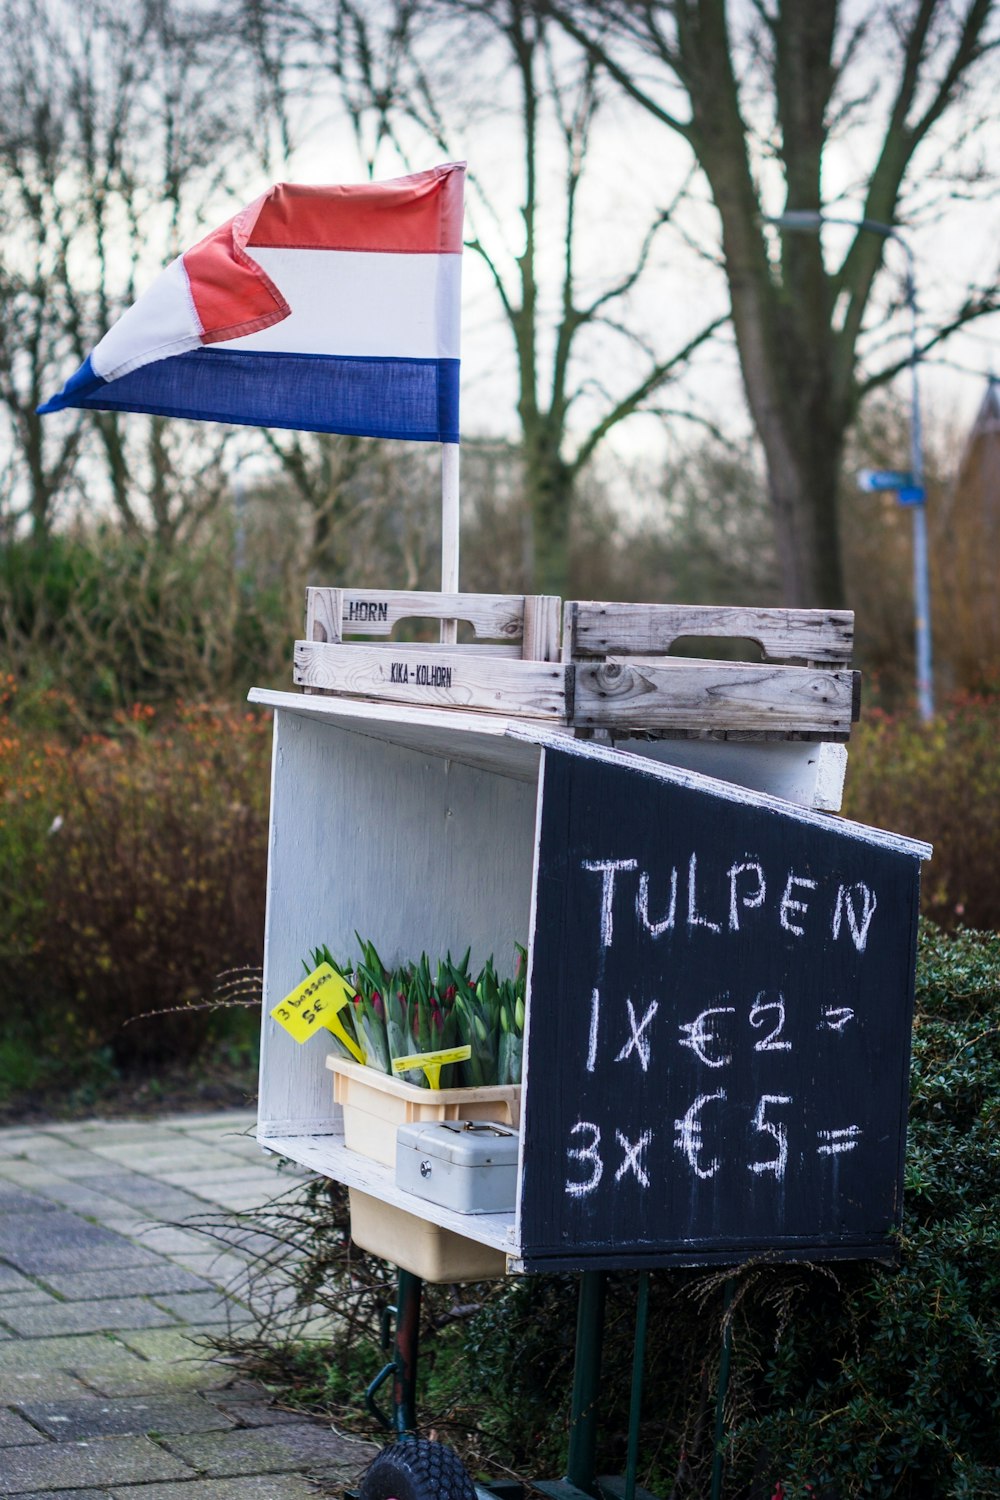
(912, 494)
(872, 480)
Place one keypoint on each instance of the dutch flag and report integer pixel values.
(325, 309)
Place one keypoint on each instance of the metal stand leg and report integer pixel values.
(586, 1381)
(611, 1487)
(635, 1407)
(580, 1482)
(582, 1451)
(402, 1369)
(403, 1365)
(404, 1385)
(720, 1396)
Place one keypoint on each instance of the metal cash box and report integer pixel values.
(467, 1165)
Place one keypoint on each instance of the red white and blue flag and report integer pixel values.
(325, 309)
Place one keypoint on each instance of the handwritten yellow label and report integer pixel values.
(314, 1005)
(431, 1062)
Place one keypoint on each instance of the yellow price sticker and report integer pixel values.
(432, 1062)
(314, 1005)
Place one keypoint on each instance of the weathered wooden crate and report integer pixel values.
(512, 667)
(625, 682)
(614, 672)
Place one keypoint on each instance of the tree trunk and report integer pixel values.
(802, 488)
(41, 490)
(802, 427)
(548, 487)
(782, 324)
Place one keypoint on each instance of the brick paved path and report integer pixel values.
(105, 1391)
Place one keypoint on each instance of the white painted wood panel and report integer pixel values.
(809, 773)
(478, 740)
(511, 748)
(414, 851)
(732, 792)
(328, 1156)
(418, 828)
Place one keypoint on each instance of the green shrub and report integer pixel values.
(884, 1383)
(110, 618)
(132, 872)
(939, 782)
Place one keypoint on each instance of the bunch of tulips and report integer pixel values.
(412, 1010)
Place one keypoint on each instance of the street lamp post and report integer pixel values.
(811, 222)
(921, 570)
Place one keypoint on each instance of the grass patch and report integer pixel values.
(40, 1079)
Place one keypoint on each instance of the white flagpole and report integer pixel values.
(449, 532)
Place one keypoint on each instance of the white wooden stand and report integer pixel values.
(417, 828)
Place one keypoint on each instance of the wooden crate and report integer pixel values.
(615, 673)
(626, 683)
(512, 668)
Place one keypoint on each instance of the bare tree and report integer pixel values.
(116, 134)
(414, 72)
(761, 93)
(361, 505)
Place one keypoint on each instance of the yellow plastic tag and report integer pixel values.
(314, 1005)
(432, 1062)
(336, 1025)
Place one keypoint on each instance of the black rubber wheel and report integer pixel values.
(416, 1469)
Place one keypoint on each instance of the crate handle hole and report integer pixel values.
(717, 648)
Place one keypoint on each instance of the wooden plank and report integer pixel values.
(324, 613)
(740, 738)
(377, 611)
(639, 694)
(541, 627)
(327, 1155)
(598, 630)
(476, 648)
(453, 679)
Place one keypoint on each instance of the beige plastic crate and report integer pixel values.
(426, 1250)
(375, 1105)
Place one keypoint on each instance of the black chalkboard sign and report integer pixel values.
(718, 1045)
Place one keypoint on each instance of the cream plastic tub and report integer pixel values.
(375, 1106)
(426, 1250)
